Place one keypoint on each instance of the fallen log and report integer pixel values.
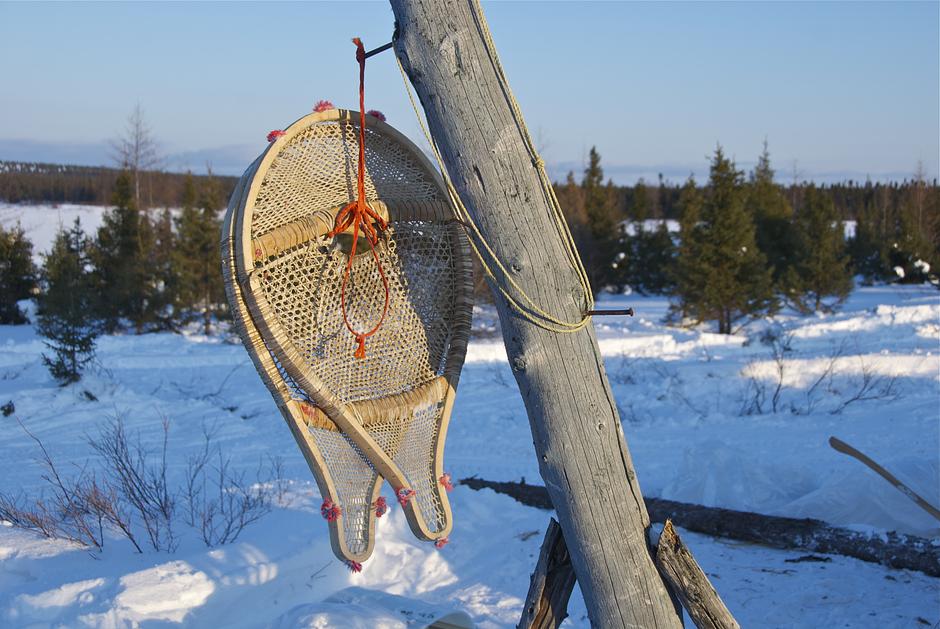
(907, 552)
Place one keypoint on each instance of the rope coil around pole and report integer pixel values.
(523, 303)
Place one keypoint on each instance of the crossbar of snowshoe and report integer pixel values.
(380, 410)
(320, 223)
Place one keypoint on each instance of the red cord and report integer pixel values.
(357, 214)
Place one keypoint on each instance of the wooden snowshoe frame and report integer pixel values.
(385, 415)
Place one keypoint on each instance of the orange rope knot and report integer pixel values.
(404, 495)
(445, 482)
(357, 215)
(381, 507)
(330, 511)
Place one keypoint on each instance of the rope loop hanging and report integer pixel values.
(504, 282)
(359, 216)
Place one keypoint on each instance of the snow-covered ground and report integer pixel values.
(689, 402)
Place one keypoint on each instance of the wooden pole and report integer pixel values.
(583, 456)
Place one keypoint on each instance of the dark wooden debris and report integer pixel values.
(546, 604)
(690, 584)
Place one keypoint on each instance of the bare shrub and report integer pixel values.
(761, 395)
(219, 501)
(127, 492)
(759, 391)
(869, 386)
(67, 513)
(812, 397)
(131, 477)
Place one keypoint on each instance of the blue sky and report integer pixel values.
(839, 89)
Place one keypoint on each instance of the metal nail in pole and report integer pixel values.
(628, 312)
(379, 49)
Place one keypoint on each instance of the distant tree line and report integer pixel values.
(747, 245)
(141, 271)
(26, 182)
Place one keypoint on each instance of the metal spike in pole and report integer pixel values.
(628, 312)
(379, 49)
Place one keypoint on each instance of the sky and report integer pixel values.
(840, 90)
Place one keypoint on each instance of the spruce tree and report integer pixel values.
(657, 255)
(603, 223)
(867, 248)
(910, 251)
(732, 280)
(651, 251)
(65, 306)
(123, 273)
(773, 216)
(640, 208)
(822, 267)
(911, 248)
(689, 277)
(162, 268)
(196, 256)
(17, 274)
(571, 198)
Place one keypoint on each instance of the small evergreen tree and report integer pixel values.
(17, 274)
(124, 277)
(196, 257)
(65, 306)
(655, 252)
(603, 223)
(911, 249)
(640, 208)
(652, 252)
(163, 268)
(774, 232)
(822, 268)
(689, 278)
(730, 279)
(866, 247)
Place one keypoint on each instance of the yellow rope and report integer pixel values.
(526, 307)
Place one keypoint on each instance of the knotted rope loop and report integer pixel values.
(359, 216)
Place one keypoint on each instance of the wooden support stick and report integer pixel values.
(699, 598)
(546, 604)
(844, 448)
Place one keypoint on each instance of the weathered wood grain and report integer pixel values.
(582, 453)
(546, 604)
(699, 598)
